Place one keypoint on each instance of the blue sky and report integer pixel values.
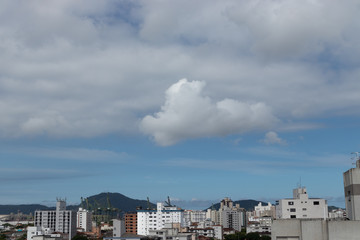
(194, 100)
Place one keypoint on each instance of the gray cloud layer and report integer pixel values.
(89, 68)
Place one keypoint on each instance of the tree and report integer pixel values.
(253, 236)
(80, 237)
(236, 236)
(23, 237)
(2, 237)
(265, 237)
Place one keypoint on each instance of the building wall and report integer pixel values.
(45, 219)
(352, 193)
(193, 216)
(301, 206)
(60, 220)
(118, 227)
(315, 229)
(131, 223)
(84, 220)
(231, 216)
(156, 219)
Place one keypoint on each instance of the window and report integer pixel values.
(316, 202)
(292, 216)
(291, 203)
(292, 210)
(304, 209)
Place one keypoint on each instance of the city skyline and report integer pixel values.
(194, 100)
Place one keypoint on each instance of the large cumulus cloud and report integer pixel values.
(188, 114)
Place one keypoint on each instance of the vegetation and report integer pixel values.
(80, 237)
(23, 237)
(243, 236)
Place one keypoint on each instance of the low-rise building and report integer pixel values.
(261, 225)
(338, 214)
(171, 233)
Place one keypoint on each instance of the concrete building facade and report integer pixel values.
(193, 216)
(314, 229)
(170, 233)
(131, 223)
(60, 220)
(352, 191)
(231, 216)
(301, 206)
(156, 219)
(84, 220)
(118, 227)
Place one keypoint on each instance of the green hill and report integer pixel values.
(24, 208)
(116, 200)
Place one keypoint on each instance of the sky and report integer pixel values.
(196, 100)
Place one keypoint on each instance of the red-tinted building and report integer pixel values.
(131, 223)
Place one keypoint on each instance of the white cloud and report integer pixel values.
(273, 138)
(188, 114)
(112, 65)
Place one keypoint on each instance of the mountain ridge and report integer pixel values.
(117, 201)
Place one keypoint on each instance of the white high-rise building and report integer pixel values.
(301, 206)
(156, 219)
(83, 220)
(60, 220)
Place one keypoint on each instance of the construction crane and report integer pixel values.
(148, 204)
(168, 203)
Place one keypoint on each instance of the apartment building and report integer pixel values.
(61, 220)
(84, 220)
(150, 219)
(232, 217)
(301, 206)
(131, 222)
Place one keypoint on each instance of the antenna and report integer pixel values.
(356, 158)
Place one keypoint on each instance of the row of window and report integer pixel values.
(315, 203)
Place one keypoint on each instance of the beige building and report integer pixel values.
(231, 216)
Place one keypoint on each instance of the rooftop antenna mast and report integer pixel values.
(356, 158)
